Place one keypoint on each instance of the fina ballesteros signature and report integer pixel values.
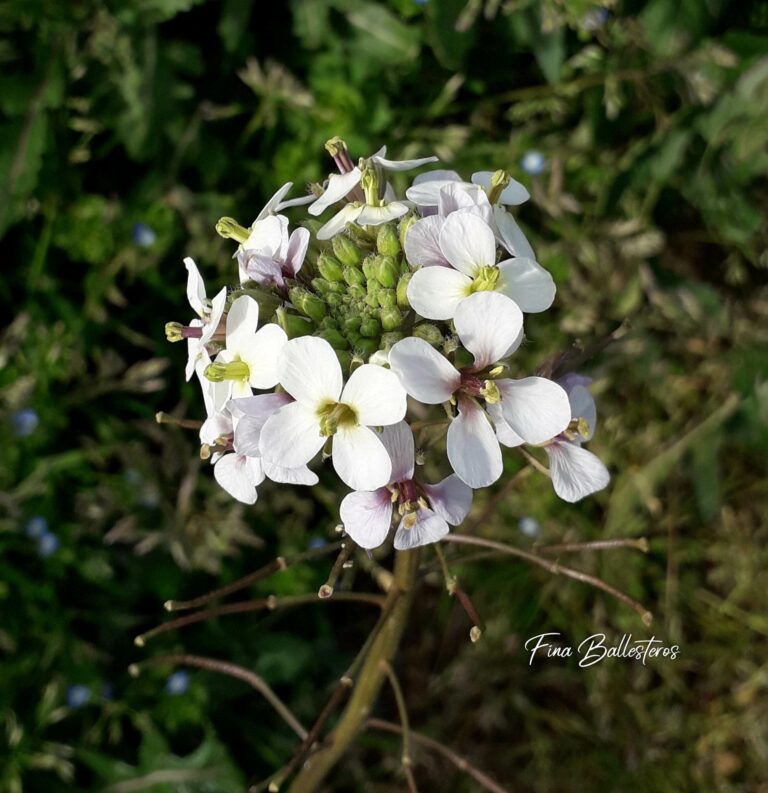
(597, 648)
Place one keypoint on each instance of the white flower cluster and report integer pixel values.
(353, 330)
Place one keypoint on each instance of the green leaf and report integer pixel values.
(449, 45)
(383, 36)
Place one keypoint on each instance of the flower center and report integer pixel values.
(216, 372)
(478, 387)
(335, 415)
(486, 279)
(577, 427)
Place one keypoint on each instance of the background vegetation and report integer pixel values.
(126, 129)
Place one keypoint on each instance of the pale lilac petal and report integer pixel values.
(360, 459)
(428, 528)
(252, 413)
(195, 288)
(535, 408)
(403, 165)
(473, 449)
(339, 186)
(263, 270)
(422, 243)
(583, 407)
(375, 394)
(527, 283)
(338, 222)
(291, 437)
(297, 250)
(263, 354)
(375, 216)
(367, 516)
(451, 499)
(488, 324)
(242, 321)
(310, 372)
(398, 441)
(575, 472)
(510, 235)
(424, 373)
(506, 435)
(301, 475)
(512, 195)
(467, 242)
(435, 292)
(239, 476)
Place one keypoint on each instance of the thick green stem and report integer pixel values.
(369, 681)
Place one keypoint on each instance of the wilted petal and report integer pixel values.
(195, 287)
(424, 373)
(360, 459)
(510, 235)
(242, 321)
(310, 372)
(512, 195)
(338, 222)
(339, 185)
(467, 242)
(473, 449)
(575, 472)
(422, 243)
(367, 516)
(535, 408)
(527, 283)
(291, 437)
(435, 292)
(428, 528)
(398, 441)
(488, 324)
(375, 394)
(239, 476)
(451, 499)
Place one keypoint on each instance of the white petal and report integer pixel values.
(488, 324)
(219, 425)
(451, 499)
(196, 353)
(360, 459)
(375, 394)
(428, 528)
(527, 283)
(422, 243)
(473, 449)
(425, 374)
(263, 354)
(467, 242)
(273, 205)
(506, 435)
(513, 194)
(510, 234)
(535, 408)
(403, 165)
(461, 197)
(218, 304)
(239, 476)
(398, 441)
(291, 476)
(252, 413)
(297, 250)
(268, 236)
(338, 222)
(367, 516)
(437, 175)
(583, 407)
(296, 202)
(339, 185)
(435, 292)
(310, 372)
(426, 192)
(242, 321)
(195, 287)
(291, 437)
(375, 216)
(575, 472)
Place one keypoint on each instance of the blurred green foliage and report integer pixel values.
(127, 128)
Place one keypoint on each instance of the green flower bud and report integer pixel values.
(405, 225)
(308, 304)
(352, 324)
(372, 301)
(373, 287)
(268, 302)
(329, 322)
(429, 332)
(391, 318)
(293, 324)
(346, 251)
(367, 347)
(388, 340)
(329, 267)
(387, 271)
(230, 229)
(334, 338)
(357, 291)
(321, 286)
(371, 328)
(386, 298)
(354, 276)
(369, 267)
(463, 359)
(402, 290)
(334, 300)
(345, 359)
(387, 242)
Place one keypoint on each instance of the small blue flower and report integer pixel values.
(143, 235)
(47, 544)
(78, 695)
(529, 527)
(533, 162)
(177, 683)
(595, 18)
(316, 543)
(36, 527)
(24, 422)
